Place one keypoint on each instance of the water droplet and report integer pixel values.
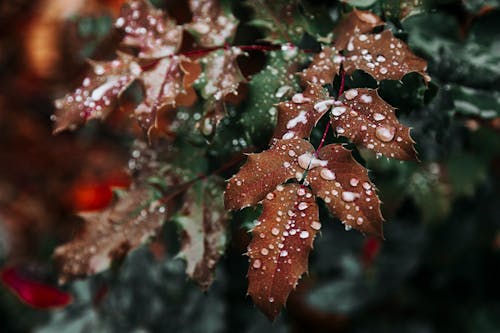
(264, 252)
(299, 98)
(347, 227)
(351, 93)
(271, 299)
(338, 110)
(304, 234)
(302, 206)
(360, 220)
(366, 98)
(327, 174)
(307, 161)
(283, 253)
(323, 105)
(270, 196)
(257, 264)
(316, 225)
(378, 116)
(275, 231)
(349, 196)
(385, 133)
(354, 182)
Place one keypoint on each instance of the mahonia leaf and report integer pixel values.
(282, 20)
(111, 234)
(333, 175)
(383, 56)
(148, 29)
(282, 239)
(297, 118)
(366, 119)
(263, 172)
(221, 77)
(98, 93)
(345, 187)
(357, 21)
(222, 74)
(323, 68)
(212, 24)
(168, 83)
(203, 219)
(273, 84)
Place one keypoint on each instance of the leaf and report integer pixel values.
(383, 56)
(297, 118)
(98, 94)
(203, 219)
(212, 24)
(147, 29)
(346, 189)
(323, 68)
(333, 175)
(280, 246)
(281, 19)
(32, 292)
(222, 74)
(168, 83)
(357, 21)
(275, 83)
(110, 234)
(264, 171)
(367, 120)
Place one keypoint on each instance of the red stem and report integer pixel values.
(341, 91)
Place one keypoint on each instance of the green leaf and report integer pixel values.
(275, 83)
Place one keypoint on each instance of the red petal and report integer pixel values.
(34, 293)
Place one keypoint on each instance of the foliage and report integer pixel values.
(250, 92)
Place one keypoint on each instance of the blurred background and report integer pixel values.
(437, 270)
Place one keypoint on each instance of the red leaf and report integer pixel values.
(281, 242)
(167, 83)
(323, 68)
(383, 56)
(367, 120)
(264, 171)
(346, 189)
(110, 234)
(34, 293)
(98, 94)
(356, 21)
(297, 118)
(148, 29)
(211, 25)
(333, 175)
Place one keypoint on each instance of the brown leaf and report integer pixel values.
(345, 187)
(203, 219)
(356, 21)
(168, 83)
(211, 24)
(280, 246)
(148, 29)
(323, 68)
(98, 94)
(366, 119)
(383, 56)
(222, 73)
(297, 118)
(264, 171)
(333, 175)
(110, 234)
